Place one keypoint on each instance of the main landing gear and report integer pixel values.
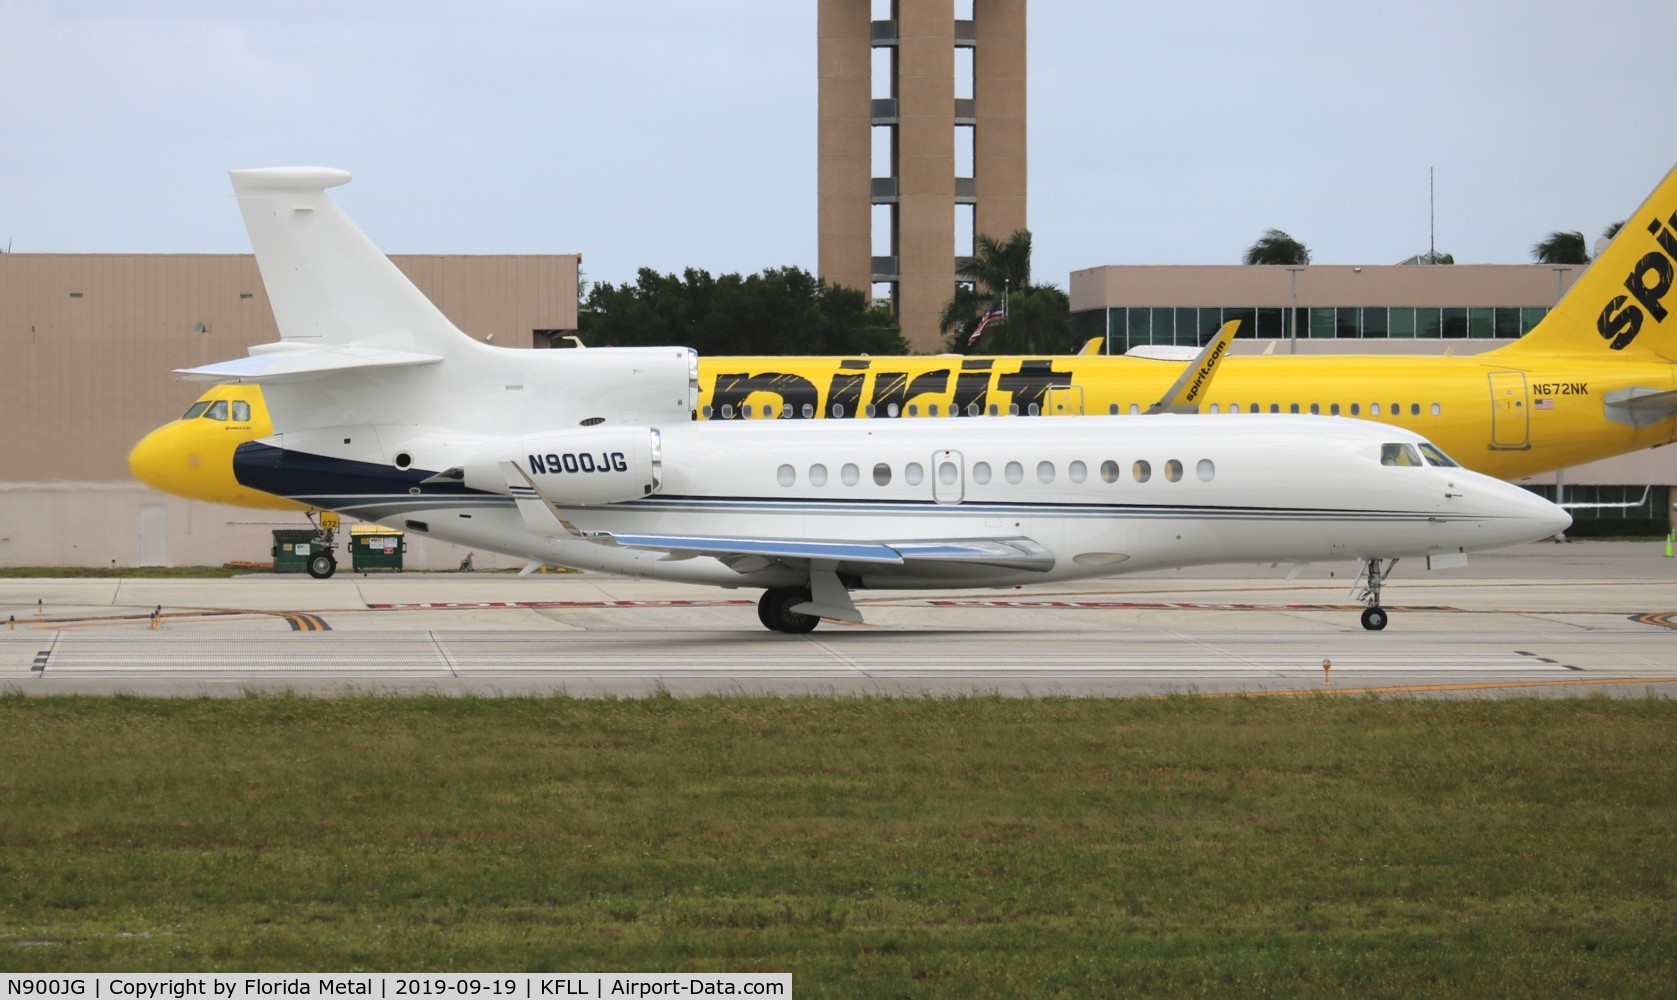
(774, 610)
(1374, 616)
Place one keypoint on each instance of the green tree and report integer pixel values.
(1561, 247)
(1276, 247)
(783, 310)
(1038, 317)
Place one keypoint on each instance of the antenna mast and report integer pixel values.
(1432, 221)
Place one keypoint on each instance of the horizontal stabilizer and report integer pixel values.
(296, 365)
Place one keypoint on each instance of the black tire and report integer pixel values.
(774, 610)
(322, 565)
(1374, 619)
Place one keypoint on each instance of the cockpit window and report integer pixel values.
(196, 410)
(1436, 457)
(1399, 454)
(241, 411)
(217, 410)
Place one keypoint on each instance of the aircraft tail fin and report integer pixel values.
(1624, 302)
(329, 285)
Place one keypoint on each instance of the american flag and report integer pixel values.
(1545, 404)
(997, 313)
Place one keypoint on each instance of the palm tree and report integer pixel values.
(1562, 247)
(1276, 247)
(1038, 316)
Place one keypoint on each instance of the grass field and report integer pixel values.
(872, 847)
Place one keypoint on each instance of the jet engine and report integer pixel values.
(591, 465)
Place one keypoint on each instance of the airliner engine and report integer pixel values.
(593, 465)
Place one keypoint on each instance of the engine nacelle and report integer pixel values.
(592, 465)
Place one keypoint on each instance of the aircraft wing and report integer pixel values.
(1188, 391)
(748, 555)
(288, 365)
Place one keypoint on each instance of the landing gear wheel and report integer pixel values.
(774, 610)
(1374, 619)
(322, 565)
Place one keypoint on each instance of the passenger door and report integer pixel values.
(1510, 412)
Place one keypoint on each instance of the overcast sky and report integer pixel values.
(668, 133)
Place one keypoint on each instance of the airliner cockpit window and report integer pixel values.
(195, 410)
(1399, 454)
(1437, 457)
(217, 410)
(241, 411)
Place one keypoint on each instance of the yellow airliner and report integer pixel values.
(1595, 378)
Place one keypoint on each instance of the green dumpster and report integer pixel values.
(375, 547)
(299, 550)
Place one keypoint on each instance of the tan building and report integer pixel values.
(91, 340)
(924, 127)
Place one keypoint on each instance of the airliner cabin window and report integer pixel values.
(913, 410)
(931, 409)
(1399, 454)
(838, 409)
(1112, 410)
(785, 475)
(1077, 472)
(1356, 409)
(891, 410)
(1205, 470)
(195, 411)
(704, 411)
(1135, 408)
(1142, 471)
(882, 475)
(981, 473)
(1333, 409)
(1374, 409)
(1275, 408)
(1034, 411)
(745, 411)
(818, 475)
(786, 409)
(808, 410)
(1015, 472)
(1173, 471)
(1435, 409)
(727, 411)
(947, 473)
(1316, 409)
(1109, 471)
(1294, 408)
(850, 474)
(1214, 408)
(913, 474)
(1437, 457)
(1414, 409)
(217, 410)
(1045, 472)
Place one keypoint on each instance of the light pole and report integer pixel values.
(1293, 316)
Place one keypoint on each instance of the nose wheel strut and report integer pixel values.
(1374, 574)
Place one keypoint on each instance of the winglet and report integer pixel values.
(1191, 389)
(1092, 347)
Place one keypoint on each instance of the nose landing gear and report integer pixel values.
(1374, 616)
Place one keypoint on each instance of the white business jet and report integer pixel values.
(386, 412)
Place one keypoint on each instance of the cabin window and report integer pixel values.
(217, 410)
(1435, 409)
(808, 410)
(1276, 408)
(1399, 454)
(1315, 409)
(994, 410)
(1255, 408)
(1112, 410)
(972, 409)
(914, 409)
(704, 411)
(838, 409)
(1205, 470)
(1293, 408)
(1214, 408)
(1414, 409)
(727, 411)
(1142, 471)
(981, 473)
(931, 409)
(1436, 457)
(1374, 409)
(1045, 472)
(1333, 409)
(745, 411)
(195, 411)
(786, 410)
(882, 475)
(869, 410)
(1173, 471)
(818, 475)
(1109, 471)
(1135, 408)
(947, 473)
(786, 475)
(1014, 472)
(1077, 472)
(1033, 410)
(1234, 407)
(850, 475)
(1013, 409)
(1356, 409)
(914, 474)
(891, 410)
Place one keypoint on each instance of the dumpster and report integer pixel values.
(375, 547)
(300, 550)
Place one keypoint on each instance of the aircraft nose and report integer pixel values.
(1545, 519)
(156, 462)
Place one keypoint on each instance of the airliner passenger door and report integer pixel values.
(1065, 400)
(948, 478)
(1510, 412)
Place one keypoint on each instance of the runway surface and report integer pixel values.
(1565, 620)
